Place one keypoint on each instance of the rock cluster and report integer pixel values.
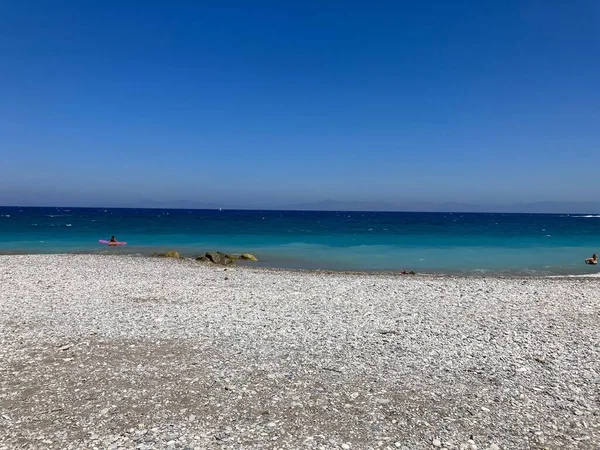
(169, 254)
(224, 259)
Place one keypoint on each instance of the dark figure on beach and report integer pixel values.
(113, 241)
(592, 260)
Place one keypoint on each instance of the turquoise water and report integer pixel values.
(524, 244)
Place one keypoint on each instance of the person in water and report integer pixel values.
(592, 260)
(113, 241)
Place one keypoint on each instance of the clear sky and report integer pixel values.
(260, 104)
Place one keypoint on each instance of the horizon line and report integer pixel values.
(295, 210)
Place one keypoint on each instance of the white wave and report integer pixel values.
(587, 275)
(588, 216)
(5, 215)
(69, 225)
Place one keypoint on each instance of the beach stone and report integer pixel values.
(169, 254)
(248, 257)
(437, 443)
(271, 338)
(219, 258)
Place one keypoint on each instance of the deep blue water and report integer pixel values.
(534, 244)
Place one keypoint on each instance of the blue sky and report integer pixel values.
(270, 103)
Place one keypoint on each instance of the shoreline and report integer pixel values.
(260, 266)
(129, 352)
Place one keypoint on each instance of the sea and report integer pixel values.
(440, 243)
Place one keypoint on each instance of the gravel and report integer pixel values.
(122, 352)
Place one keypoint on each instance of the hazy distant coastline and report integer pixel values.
(547, 207)
(542, 207)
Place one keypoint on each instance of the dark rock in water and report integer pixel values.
(219, 258)
(223, 258)
(248, 257)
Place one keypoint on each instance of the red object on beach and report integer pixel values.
(110, 244)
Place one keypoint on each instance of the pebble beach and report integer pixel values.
(108, 352)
